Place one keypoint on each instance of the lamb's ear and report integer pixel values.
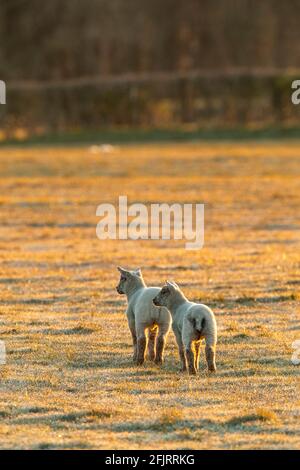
(172, 284)
(121, 270)
(138, 272)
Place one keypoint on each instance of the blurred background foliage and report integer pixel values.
(91, 64)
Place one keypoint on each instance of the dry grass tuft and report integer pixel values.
(261, 414)
(170, 417)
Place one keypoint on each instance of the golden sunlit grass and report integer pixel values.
(69, 381)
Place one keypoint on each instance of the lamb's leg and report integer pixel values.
(141, 344)
(188, 340)
(161, 342)
(182, 358)
(210, 353)
(134, 341)
(181, 350)
(152, 342)
(197, 355)
(160, 346)
(190, 356)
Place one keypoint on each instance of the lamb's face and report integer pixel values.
(121, 287)
(127, 279)
(163, 297)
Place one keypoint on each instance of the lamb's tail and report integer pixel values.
(198, 323)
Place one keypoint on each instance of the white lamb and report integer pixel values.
(144, 317)
(191, 323)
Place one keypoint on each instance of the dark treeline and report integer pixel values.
(63, 39)
(67, 38)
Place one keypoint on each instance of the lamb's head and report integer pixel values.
(128, 280)
(167, 295)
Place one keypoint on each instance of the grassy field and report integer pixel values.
(69, 381)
